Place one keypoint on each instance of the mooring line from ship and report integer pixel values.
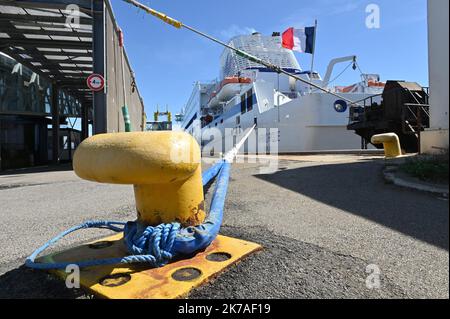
(178, 24)
(156, 246)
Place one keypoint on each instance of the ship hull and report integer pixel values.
(305, 124)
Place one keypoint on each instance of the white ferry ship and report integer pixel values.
(307, 119)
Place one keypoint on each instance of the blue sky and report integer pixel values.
(167, 61)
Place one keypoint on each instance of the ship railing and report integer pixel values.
(415, 118)
(292, 94)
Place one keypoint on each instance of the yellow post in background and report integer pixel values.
(391, 144)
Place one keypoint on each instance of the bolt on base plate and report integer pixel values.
(172, 281)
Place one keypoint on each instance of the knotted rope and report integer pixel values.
(152, 245)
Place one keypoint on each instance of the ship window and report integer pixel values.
(243, 107)
(250, 100)
(221, 121)
(215, 124)
(238, 120)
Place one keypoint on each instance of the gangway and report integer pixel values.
(404, 110)
(158, 125)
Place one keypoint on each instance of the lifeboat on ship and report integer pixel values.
(360, 87)
(377, 84)
(227, 88)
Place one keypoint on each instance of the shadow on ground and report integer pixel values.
(290, 269)
(26, 283)
(359, 189)
(39, 169)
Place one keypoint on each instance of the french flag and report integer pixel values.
(301, 40)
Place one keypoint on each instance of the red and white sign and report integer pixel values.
(95, 82)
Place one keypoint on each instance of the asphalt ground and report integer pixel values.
(322, 220)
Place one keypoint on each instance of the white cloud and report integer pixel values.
(234, 30)
(345, 7)
(322, 9)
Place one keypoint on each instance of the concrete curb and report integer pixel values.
(391, 176)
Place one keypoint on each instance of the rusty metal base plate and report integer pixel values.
(174, 280)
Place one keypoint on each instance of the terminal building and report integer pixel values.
(48, 49)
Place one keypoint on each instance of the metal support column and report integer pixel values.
(419, 127)
(1, 139)
(84, 121)
(99, 52)
(69, 143)
(55, 123)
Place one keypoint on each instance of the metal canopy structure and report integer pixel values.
(55, 40)
(65, 41)
(43, 36)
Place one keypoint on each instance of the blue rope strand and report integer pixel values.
(212, 172)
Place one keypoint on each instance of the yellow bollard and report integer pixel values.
(164, 168)
(391, 144)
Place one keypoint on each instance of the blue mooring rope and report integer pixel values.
(154, 245)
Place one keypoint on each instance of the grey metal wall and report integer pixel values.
(114, 80)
